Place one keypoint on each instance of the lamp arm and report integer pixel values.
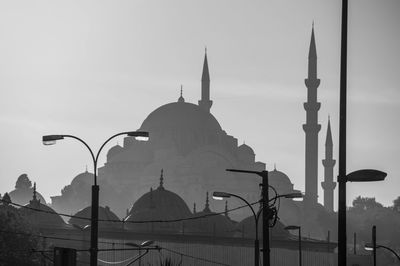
(138, 257)
(87, 146)
(391, 250)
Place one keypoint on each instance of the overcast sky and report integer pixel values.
(95, 68)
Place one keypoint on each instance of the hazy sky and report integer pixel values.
(95, 68)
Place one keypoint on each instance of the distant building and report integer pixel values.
(187, 141)
(23, 191)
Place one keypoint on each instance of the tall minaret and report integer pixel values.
(328, 185)
(205, 102)
(311, 127)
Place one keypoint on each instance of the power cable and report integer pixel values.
(194, 257)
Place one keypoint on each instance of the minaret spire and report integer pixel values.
(311, 127)
(205, 102)
(328, 184)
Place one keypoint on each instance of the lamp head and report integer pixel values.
(51, 139)
(139, 135)
(218, 195)
(366, 175)
(369, 247)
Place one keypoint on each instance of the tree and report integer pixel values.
(361, 203)
(16, 240)
(396, 204)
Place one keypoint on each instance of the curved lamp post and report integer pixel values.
(218, 195)
(296, 227)
(52, 139)
(370, 247)
(265, 199)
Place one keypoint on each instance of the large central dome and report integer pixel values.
(184, 125)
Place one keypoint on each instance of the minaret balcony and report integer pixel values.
(328, 185)
(314, 107)
(328, 162)
(311, 128)
(312, 83)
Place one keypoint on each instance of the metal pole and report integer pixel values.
(342, 242)
(300, 260)
(374, 243)
(355, 243)
(265, 216)
(256, 252)
(94, 225)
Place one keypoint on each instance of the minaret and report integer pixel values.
(205, 102)
(311, 127)
(328, 185)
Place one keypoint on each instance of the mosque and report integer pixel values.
(191, 149)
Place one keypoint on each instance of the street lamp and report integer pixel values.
(265, 198)
(217, 195)
(369, 247)
(372, 175)
(51, 140)
(296, 227)
(365, 175)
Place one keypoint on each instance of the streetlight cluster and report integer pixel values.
(269, 212)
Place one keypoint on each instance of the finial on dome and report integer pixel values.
(226, 208)
(161, 179)
(181, 99)
(274, 166)
(313, 24)
(194, 208)
(34, 191)
(86, 169)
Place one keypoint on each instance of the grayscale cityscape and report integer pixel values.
(174, 133)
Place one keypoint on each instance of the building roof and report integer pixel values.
(185, 125)
(158, 204)
(41, 215)
(104, 214)
(212, 224)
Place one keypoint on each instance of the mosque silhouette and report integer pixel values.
(192, 151)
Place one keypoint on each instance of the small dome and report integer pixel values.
(84, 178)
(45, 217)
(159, 204)
(280, 182)
(113, 151)
(246, 149)
(104, 214)
(212, 224)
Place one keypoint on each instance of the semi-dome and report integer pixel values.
(211, 224)
(158, 204)
(280, 181)
(185, 124)
(246, 149)
(85, 178)
(105, 214)
(41, 215)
